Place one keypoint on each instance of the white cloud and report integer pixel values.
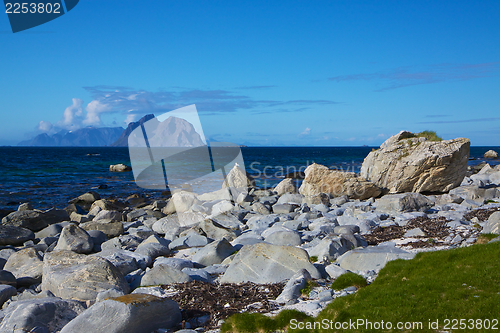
(94, 110)
(75, 117)
(131, 104)
(307, 131)
(72, 115)
(44, 126)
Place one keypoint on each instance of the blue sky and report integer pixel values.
(324, 73)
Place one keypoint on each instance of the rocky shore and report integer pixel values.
(189, 261)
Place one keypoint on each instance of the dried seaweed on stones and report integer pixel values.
(383, 234)
(432, 227)
(481, 214)
(219, 301)
(419, 244)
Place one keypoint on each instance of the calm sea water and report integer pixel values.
(49, 177)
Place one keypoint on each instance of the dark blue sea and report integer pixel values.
(49, 177)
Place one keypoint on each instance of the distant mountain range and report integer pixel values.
(83, 137)
(173, 132)
(123, 139)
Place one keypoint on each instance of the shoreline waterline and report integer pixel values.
(50, 176)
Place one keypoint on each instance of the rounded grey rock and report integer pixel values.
(11, 235)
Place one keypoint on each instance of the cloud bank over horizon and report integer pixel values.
(131, 104)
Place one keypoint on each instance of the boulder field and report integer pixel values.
(148, 266)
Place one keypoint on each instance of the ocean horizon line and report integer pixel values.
(242, 146)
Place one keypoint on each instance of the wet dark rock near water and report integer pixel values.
(296, 175)
(5, 212)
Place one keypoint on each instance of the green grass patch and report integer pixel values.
(256, 322)
(485, 238)
(308, 288)
(313, 258)
(348, 279)
(461, 283)
(491, 201)
(489, 236)
(429, 135)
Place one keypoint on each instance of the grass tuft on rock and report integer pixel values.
(485, 238)
(308, 288)
(429, 135)
(457, 283)
(349, 279)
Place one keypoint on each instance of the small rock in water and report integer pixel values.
(491, 154)
(119, 168)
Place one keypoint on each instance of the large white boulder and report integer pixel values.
(319, 179)
(135, 313)
(238, 178)
(492, 226)
(25, 263)
(404, 202)
(371, 257)
(266, 263)
(183, 201)
(71, 275)
(405, 163)
(287, 185)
